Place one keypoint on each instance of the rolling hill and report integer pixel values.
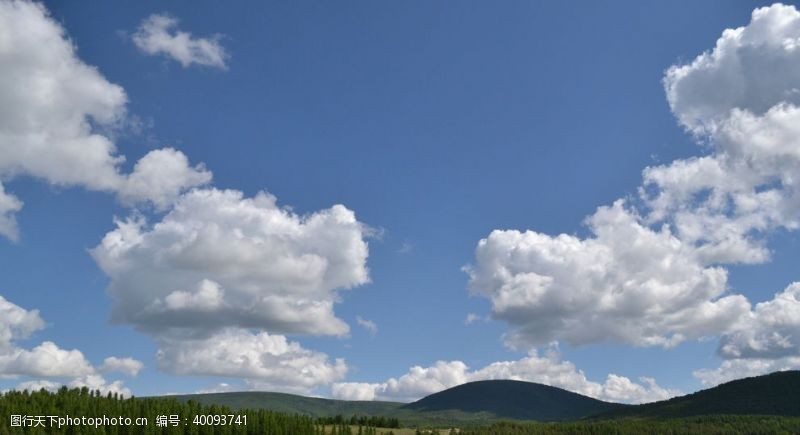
(774, 394)
(294, 404)
(485, 402)
(473, 403)
(513, 400)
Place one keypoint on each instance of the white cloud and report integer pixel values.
(751, 68)
(128, 366)
(37, 385)
(369, 325)
(158, 34)
(93, 382)
(98, 383)
(627, 283)
(472, 318)
(218, 259)
(734, 369)
(46, 360)
(771, 331)
(221, 387)
(264, 361)
(160, 176)
(548, 369)
(56, 115)
(17, 323)
(655, 266)
(9, 205)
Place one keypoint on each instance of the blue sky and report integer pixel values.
(435, 123)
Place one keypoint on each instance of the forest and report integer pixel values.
(93, 413)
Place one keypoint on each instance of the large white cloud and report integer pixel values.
(218, 259)
(548, 369)
(56, 113)
(753, 68)
(264, 361)
(628, 283)
(158, 35)
(651, 272)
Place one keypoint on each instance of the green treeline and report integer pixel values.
(90, 404)
(373, 421)
(702, 425)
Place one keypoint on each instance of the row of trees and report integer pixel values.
(15, 406)
(373, 421)
(703, 425)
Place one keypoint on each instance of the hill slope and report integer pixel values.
(293, 404)
(513, 399)
(774, 394)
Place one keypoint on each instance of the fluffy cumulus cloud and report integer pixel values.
(548, 369)
(16, 322)
(628, 282)
(158, 35)
(219, 266)
(219, 259)
(264, 361)
(767, 340)
(47, 360)
(56, 113)
(656, 265)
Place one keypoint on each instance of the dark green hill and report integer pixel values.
(293, 404)
(774, 394)
(513, 399)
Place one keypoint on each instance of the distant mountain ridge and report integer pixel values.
(515, 400)
(488, 401)
(773, 394)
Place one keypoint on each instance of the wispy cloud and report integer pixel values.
(369, 325)
(158, 34)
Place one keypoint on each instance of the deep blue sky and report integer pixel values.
(436, 122)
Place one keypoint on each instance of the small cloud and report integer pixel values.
(222, 387)
(472, 318)
(405, 248)
(158, 34)
(128, 366)
(369, 325)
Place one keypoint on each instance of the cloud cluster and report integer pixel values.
(628, 283)
(652, 270)
(264, 361)
(158, 34)
(56, 118)
(548, 369)
(47, 360)
(218, 260)
(220, 265)
(93, 382)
